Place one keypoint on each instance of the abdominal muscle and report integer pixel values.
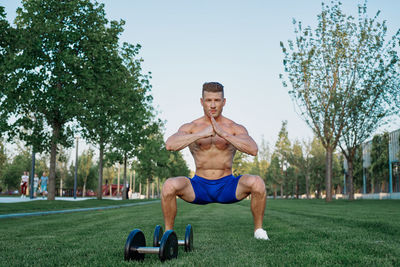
(213, 163)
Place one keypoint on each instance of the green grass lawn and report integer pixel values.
(43, 205)
(302, 232)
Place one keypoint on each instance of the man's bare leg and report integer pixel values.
(173, 187)
(254, 185)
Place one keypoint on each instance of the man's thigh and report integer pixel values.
(183, 188)
(245, 185)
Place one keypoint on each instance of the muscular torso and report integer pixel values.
(213, 156)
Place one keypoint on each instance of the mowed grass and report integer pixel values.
(302, 232)
(44, 205)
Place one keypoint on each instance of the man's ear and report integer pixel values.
(224, 101)
(201, 101)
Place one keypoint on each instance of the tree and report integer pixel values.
(379, 161)
(307, 145)
(372, 73)
(340, 73)
(283, 151)
(318, 166)
(240, 163)
(13, 171)
(52, 70)
(274, 174)
(297, 161)
(105, 102)
(135, 112)
(85, 164)
(8, 37)
(264, 157)
(3, 161)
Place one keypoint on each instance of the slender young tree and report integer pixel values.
(339, 73)
(134, 120)
(283, 152)
(105, 83)
(298, 162)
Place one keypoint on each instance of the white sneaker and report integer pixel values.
(261, 234)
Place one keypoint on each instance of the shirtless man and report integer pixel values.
(213, 141)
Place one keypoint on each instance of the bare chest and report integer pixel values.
(213, 142)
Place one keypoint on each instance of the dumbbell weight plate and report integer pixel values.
(168, 246)
(188, 238)
(158, 233)
(135, 239)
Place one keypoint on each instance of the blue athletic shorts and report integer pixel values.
(222, 190)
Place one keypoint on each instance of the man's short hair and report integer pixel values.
(213, 87)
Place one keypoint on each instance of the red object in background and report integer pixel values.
(106, 189)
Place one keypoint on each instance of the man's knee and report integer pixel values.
(168, 188)
(258, 185)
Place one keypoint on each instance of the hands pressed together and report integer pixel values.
(213, 129)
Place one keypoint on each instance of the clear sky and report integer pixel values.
(234, 42)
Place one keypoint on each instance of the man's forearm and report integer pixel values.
(243, 144)
(179, 141)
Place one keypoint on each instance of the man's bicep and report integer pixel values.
(185, 129)
(241, 131)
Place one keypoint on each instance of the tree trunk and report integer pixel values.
(152, 190)
(158, 187)
(134, 182)
(118, 181)
(350, 178)
(84, 189)
(140, 189)
(318, 191)
(297, 187)
(308, 185)
(53, 157)
(274, 191)
(281, 190)
(100, 181)
(124, 187)
(61, 187)
(147, 188)
(328, 174)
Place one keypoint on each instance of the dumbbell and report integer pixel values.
(187, 242)
(135, 246)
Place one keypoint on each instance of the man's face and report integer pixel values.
(212, 103)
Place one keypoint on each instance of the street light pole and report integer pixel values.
(32, 174)
(76, 167)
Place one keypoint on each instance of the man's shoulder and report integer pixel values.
(193, 124)
(231, 123)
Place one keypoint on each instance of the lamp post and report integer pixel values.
(76, 166)
(31, 191)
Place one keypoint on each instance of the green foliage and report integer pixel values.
(379, 160)
(3, 160)
(341, 73)
(13, 171)
(274, 173)
(240, 163)
(317, 166)
(8, 37)
(154, 160)
(358, 168)
(283, 152)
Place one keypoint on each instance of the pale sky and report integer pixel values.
(236, 43)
